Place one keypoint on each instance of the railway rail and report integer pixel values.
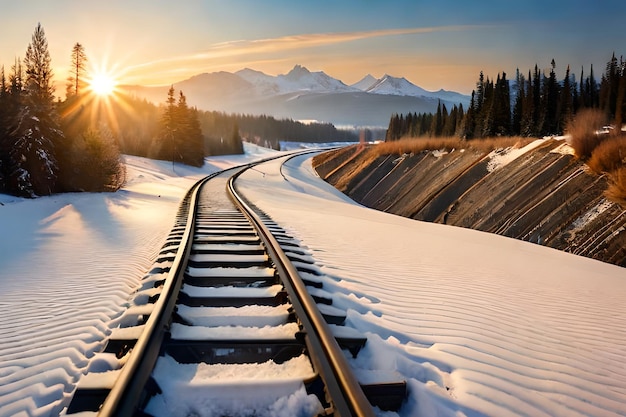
(231, 320)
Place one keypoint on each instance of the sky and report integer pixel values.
(433, 43)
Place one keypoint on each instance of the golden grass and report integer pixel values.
(583, 130)
(416, 145)
(608, 155)
(616, 190)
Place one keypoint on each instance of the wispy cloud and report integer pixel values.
(219, 54)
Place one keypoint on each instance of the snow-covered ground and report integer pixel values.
(478, 324)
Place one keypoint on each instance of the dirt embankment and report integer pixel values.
(540, 193)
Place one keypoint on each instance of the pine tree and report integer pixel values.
(75, 81)
(437, 122)
(550, 102)
(527, 127)
(35, 133)
(537, 119)
(566, 103)
(189, 138)
(620, 113)
(38, 68)
(518, 108)
(594, 98)
(167, 128)
(469, 123)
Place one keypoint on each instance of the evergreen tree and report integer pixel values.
(459, 121)
(391, 129)
(180, 132)
(450, 123)
(437, 123)
(75, 81)
(620, 107)
(518, 108)
(167, 134)
(549, 104)
(190, 142)
(501, 107)
(469, 124)
(566, 103)
(594, 98)
(34, 133)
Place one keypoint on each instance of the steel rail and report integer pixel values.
(346, 393)
(125, 395)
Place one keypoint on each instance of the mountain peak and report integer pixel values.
(365, 83)
(298, 71)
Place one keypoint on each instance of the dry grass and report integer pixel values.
(609, 155)
(416, 145)
(617, 186)
(583, 130)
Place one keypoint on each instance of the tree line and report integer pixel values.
(533, 105)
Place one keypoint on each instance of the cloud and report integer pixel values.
(225, 53)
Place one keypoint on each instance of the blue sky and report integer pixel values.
(435, 44)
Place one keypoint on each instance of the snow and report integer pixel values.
(281, 332)
(365, 83)
(299, 79)
(501, 157)
(478, 325)
(402, 87)
(396, 86)
(189, 390)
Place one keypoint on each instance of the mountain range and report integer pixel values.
(304, 95)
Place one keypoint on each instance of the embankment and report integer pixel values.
(540, 193)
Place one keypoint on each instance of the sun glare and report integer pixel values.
(102, 84)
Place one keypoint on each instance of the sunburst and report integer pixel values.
(102, 83)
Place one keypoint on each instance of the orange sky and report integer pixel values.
(433, 43)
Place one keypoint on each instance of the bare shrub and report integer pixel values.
(583, 130)
(609, 155)
(616, 190)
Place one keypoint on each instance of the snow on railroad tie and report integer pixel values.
(252, 272)
(210, 257)
(285, 331)
(229, 292)
(251, 315)
(263, 389)
(226, 247)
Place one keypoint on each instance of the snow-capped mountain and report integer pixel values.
(302, 94)
(299, 79)
(397, 86)
(365, 83)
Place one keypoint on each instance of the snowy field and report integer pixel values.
(480, 325)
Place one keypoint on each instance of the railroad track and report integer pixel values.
(225, 325)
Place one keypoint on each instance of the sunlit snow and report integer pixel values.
(478, 325)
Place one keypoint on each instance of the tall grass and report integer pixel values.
(609, 155)
(604, 154)
(583, 130)
(416, 145)
(616, 190)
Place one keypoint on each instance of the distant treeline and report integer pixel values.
(269, 132)
(534, 105)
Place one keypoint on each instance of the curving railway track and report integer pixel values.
(231, 321)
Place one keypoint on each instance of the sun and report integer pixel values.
(103, 84)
